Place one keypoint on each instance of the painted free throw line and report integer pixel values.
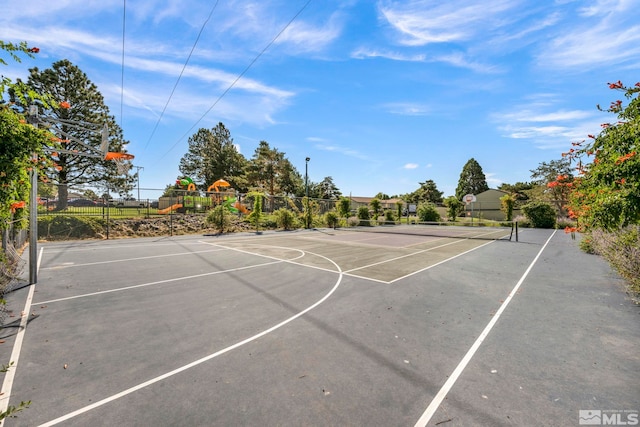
(435, 403)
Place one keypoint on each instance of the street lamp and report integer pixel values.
(306, 190)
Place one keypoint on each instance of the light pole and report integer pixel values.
(138, 168)
(306, 190)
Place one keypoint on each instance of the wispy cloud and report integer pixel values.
(363, 53)
(608, 34)
(421, 22)
(547, 129)
(407, 108)
(410, 166)
(342, 150)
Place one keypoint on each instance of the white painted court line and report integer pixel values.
(202, 360)
(61, 266)
(437, 400)
(7, 384)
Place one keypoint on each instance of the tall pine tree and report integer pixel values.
(84, 118)
(472, 180)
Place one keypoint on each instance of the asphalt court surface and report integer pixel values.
(321, 327)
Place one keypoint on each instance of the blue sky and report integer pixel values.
(381, 95)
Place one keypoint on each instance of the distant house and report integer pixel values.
(488, 206)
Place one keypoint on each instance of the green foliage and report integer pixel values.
(607, 194)
(343, 205)
(12, 410)
(285, 219)
(399, 206)
(428, 192)
(376, 207)
(507, 204)
(308, 212)
(326, 189)
(61, 227)
(363, 216)
(389, 217)
(427, 212)
(541, 214)
(19, 142)
(331, 219)
(219, 217)
(256, 214)
(472, 180)
(212, 155)
(86, 106)
(454, 207)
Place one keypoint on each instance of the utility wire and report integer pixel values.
(180, 76)
(124, 17)
(238, 78)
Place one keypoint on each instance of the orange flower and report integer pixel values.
(616, 85)
(65, 104)
(625, 157)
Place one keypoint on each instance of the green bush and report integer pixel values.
(541, 214)
(331, 219)
(70, 227)
(454, 207)
(218, 217)
(363, 215)
(427, 212)
(285, 219)
(389, 217)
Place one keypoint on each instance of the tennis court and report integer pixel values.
(322, 328)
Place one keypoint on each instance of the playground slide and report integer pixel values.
(170, 208)
(240, 207)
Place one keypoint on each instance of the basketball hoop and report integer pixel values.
(122, 161)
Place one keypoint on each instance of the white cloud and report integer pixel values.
(342, 150)
(420, 22)
(407, 108)
(410, 166)
(363, 53)
(608, 34)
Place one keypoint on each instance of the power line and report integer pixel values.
(239, 77)
(124, 16)
(180, 76)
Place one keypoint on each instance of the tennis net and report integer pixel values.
(506, 230)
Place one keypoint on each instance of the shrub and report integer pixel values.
(622, 250)
(454, 207)
(363, 216)
(70, 227)
(507, 203)
(331, 219)
(427, 212)
(541, 214)
(285, 219)
(344, 207)
(218, 217)
(522, 221)
(389, 217)
(353, 221)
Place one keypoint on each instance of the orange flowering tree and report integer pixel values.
(606, 193)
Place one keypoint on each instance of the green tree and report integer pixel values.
(376, 207)
(507, 204)
(546, 174)
(270, 171)
(472, 180)
(212, 155)
(328, 190)
(78, 126)
(454, 207)
(606, 195)
(382, 196)
(428, 192)
(520, 190)
(343, 206)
